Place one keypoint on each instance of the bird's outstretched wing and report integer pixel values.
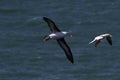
(51, 24)
(109, 40)
(66, 48)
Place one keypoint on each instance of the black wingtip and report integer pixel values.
(71, 59)
(110, 42)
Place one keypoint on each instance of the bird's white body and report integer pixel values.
(99, 37)
(58, 35)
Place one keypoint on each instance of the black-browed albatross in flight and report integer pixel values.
(59, 36)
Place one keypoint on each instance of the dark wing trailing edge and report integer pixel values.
(66, 48)
(51, 24)
(109, 40)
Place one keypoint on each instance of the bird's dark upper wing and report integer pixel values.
(109, 40)
(66, 48)
(51, 24)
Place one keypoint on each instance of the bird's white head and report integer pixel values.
(108, 35)
(67, 33)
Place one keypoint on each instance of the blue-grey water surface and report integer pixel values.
(24, 55)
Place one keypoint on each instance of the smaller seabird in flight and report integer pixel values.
(100, 37)
(59, 36)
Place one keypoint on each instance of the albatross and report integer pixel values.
(100, 37)
(58, 35)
